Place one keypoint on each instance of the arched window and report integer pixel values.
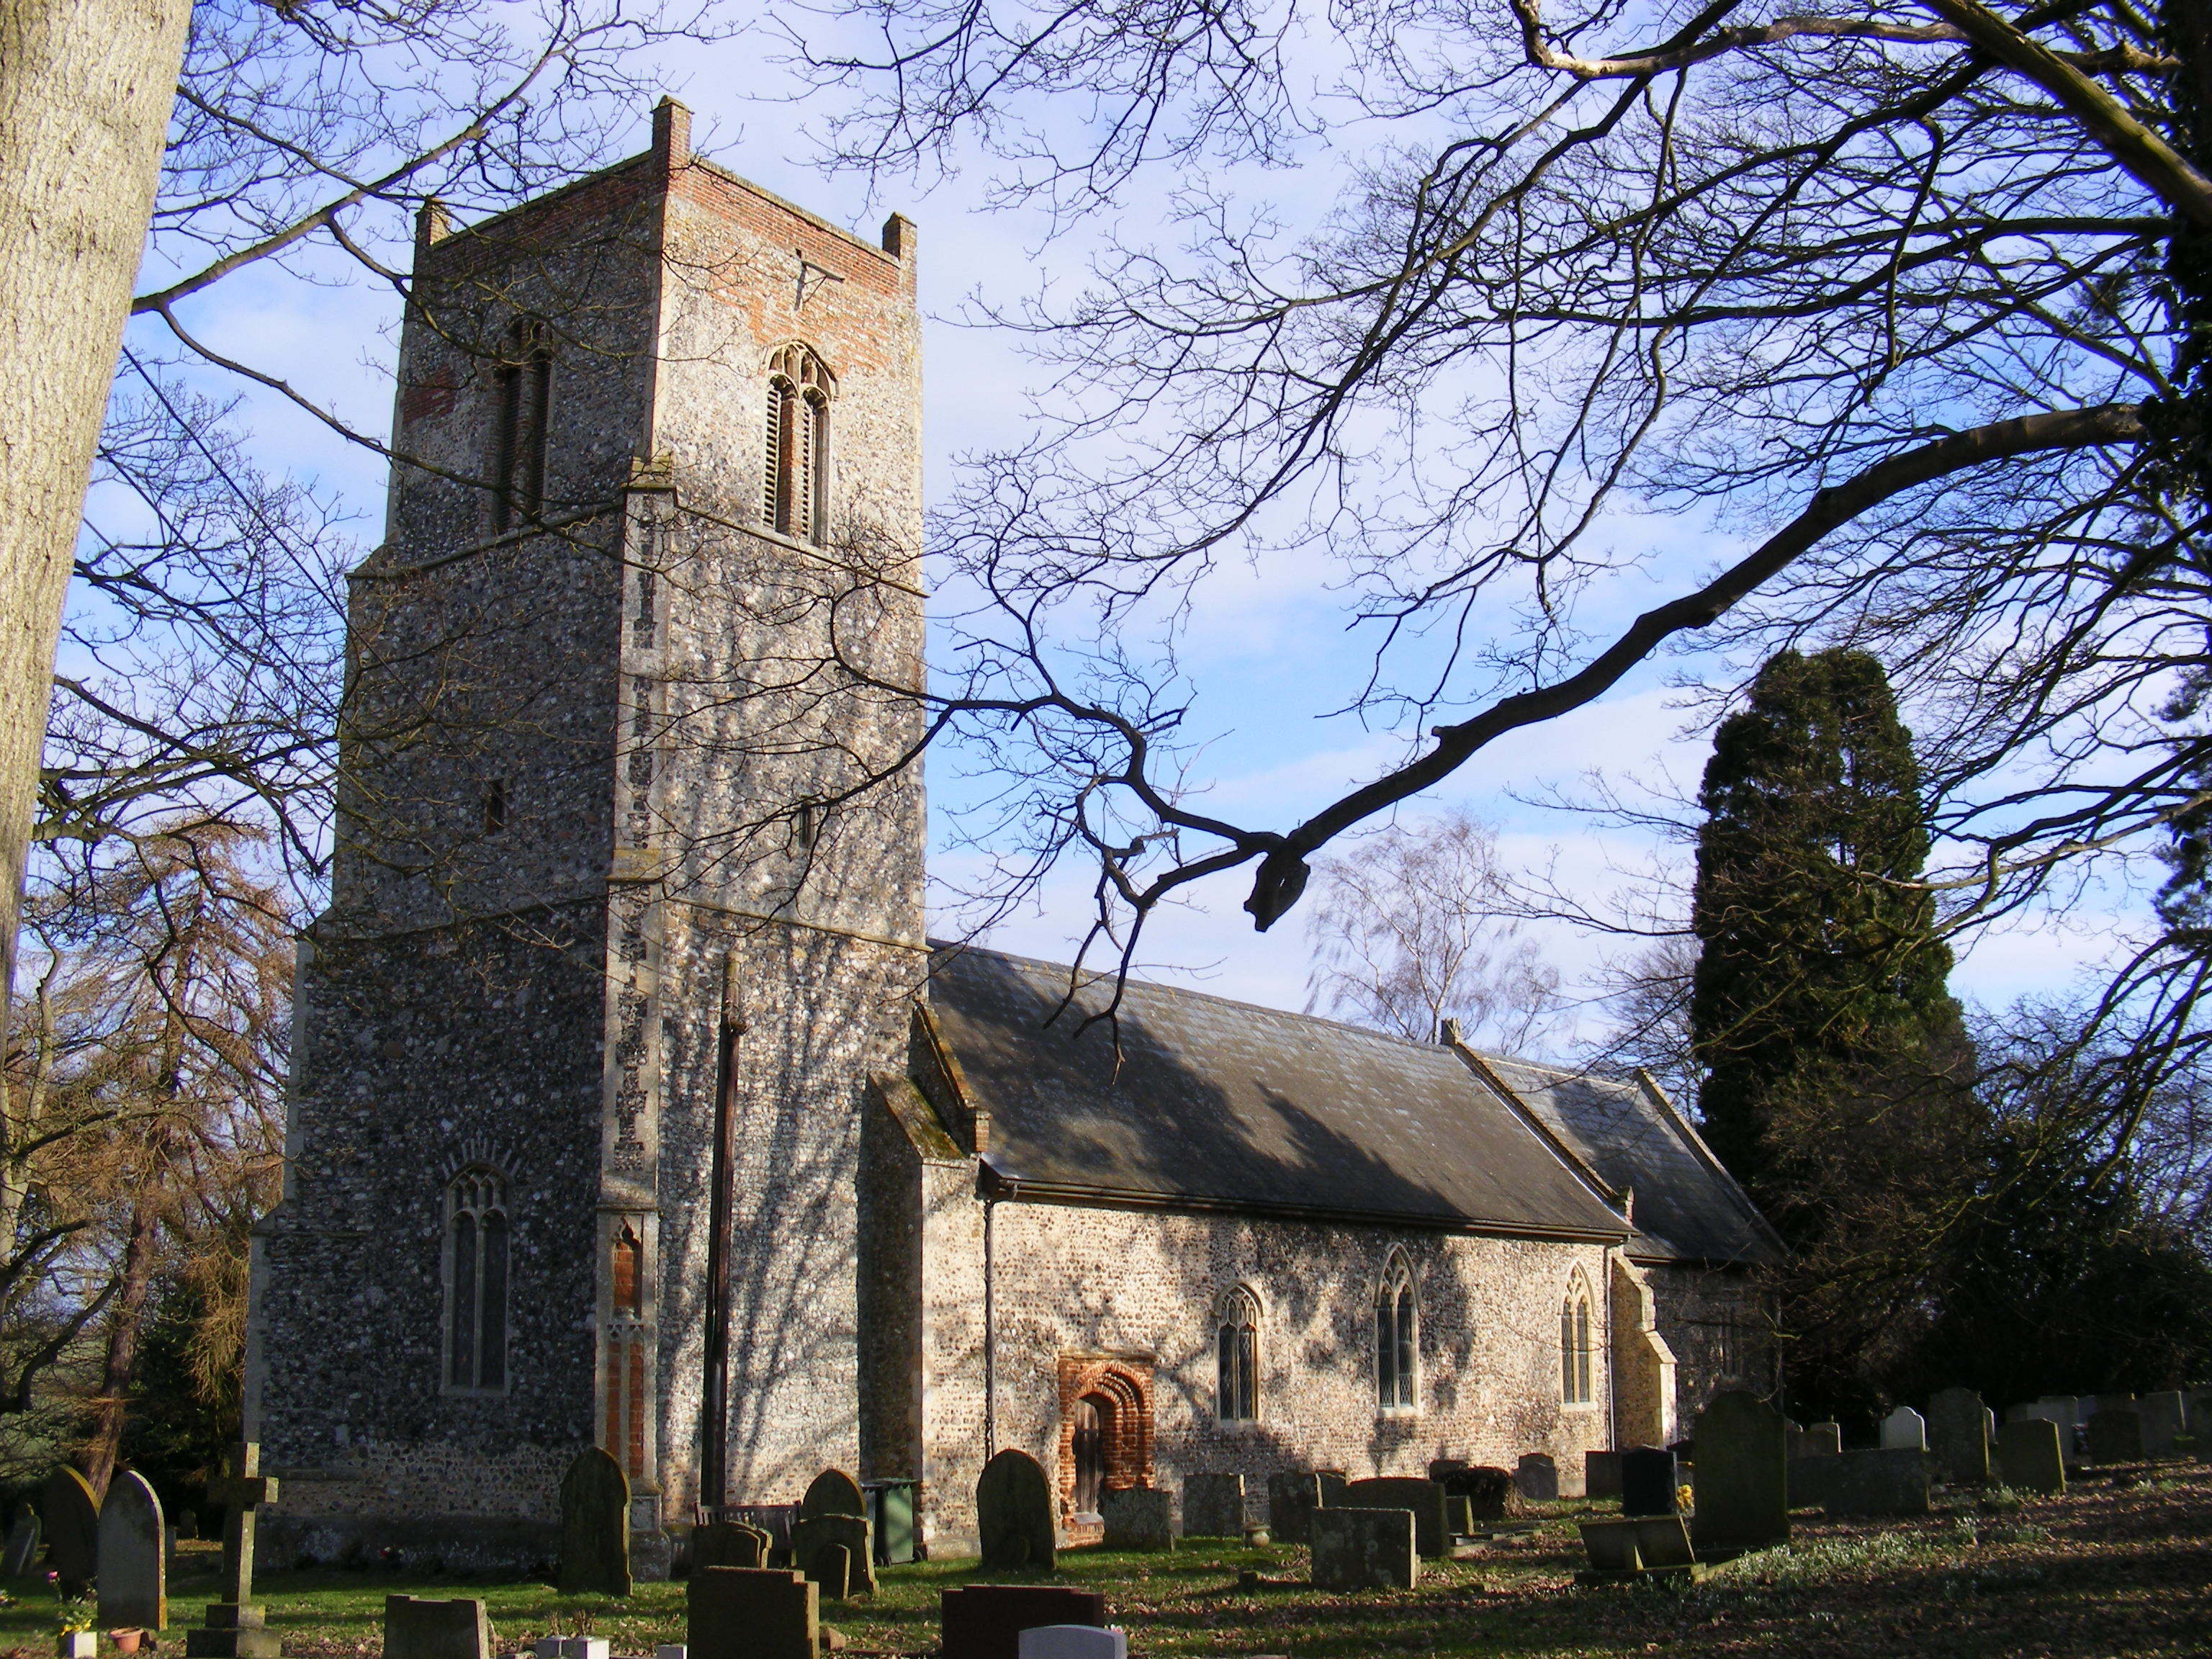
(795, 478)
(1397, 1336)
(1576, 1388)
(1236, 1360)
(475, 1280)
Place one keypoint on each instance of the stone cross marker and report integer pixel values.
(595, 1525)
(72, 1526)
(1904, 1430)
(1742, 1476)
(234, 1627)
(1959, 1435)
(133, 1588)
(1013, 1513)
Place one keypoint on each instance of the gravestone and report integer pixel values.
(1742, 1477)
(1601, 1474)
(1358, 1549)
(729, 1544)
(751, 1612)
(1332, 1483)
(418, 1628)
(2164, 1420)
(817, 1538)
(22, 1547)
(1537, 1477)
(1441, 1468)
(1213, 1506)
(1424, 1499)
(1890, 1481)
(235, 1628)
(834, 1492)
(1958, 1433)
(1292, 1499)
(1648, 1481)
(1014, 1513)
(2028, 1456)
(1904, 1430)
(70, 1515)
(595, 1526)
(584, 1646)
(1823, 1440)
(1491, 1494)
(2114, 1435)
(1073, 1642)
(132, 1574)
(1634, 1548)
(1137, 1518)
(986, 1622)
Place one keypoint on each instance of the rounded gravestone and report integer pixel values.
(834, 1492)
(133, 1591)
(1013, 1513)
(71, 1514)
(595, 1526)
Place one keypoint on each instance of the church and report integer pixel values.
(632, 1105)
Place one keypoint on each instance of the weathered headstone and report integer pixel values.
(22, 1547)
(986, 1622)
(1357, 1549)
(1291, 1499)
(235, 1628)
(2165, 1418)
(1742, 1477)
(1138, 1518)
(584, 1647)
(1424, 1499)
(1442, 1468)
(418, 1628)
(815, 1538)
(1601, 1474)
(2028, 1456)
(1649, 1484)
(1072, 1642)
(751, 1612)
(1333, 1484)
(1014, 1513)
(1537, 1477)
(1823, 1440)
(1213, 1506)
(595, 1526)
(134, 1592)
(2114, 1435)
(834, 1492)
(729, 1544)
(1904, 1430)
(1958, 1433)
(1491, 1494)
(1890, 1481)
(71, 1517)
(1635, 1548)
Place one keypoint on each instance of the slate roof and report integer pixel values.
(1686, 1207)
(1215, 1103)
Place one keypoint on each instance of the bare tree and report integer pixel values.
(1897, 298)
(1417, 926)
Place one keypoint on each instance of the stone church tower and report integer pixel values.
(627, 901)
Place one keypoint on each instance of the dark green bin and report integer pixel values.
(891, 1507)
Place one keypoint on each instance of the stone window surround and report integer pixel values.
(1578, 1348)
(477, 1170)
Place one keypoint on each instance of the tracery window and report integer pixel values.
(1236, 1360)
(477, 1235)
(520, 424)
(1397, 1336)
(1576, 1387)
(795, 475)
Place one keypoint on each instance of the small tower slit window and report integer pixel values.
(795, 473)
(477, 1280)
(1397, 1337)
(1236, 1360)
(494, 807)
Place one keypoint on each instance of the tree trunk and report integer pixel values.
(124, 1327)
(86, 88)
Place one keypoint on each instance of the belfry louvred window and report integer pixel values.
(475, 1280)
(522, 419)
(795, 470)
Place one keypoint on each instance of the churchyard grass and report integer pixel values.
(2106, 1572)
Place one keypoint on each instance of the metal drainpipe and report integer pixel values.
(990, 1339)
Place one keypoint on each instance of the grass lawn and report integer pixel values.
(2106, 1572)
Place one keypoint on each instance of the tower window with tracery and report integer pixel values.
(795, 475)
(475, 1280)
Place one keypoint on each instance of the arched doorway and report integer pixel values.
(1094, 1432)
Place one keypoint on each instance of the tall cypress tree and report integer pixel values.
(1818, 954)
